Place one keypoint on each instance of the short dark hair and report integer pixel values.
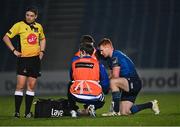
(33, 9)
(87, 39)
(88, 48)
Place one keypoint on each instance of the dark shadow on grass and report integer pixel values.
(171, 114)
(7, 117)
(54, 119)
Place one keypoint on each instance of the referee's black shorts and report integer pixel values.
(29, 66)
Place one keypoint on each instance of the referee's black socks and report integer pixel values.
(28, 101)
(18, 100)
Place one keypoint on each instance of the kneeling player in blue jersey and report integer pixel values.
(125, 83)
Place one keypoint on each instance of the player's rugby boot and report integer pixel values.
(111, 114)
(155, 107)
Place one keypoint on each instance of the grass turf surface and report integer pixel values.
(169, 115)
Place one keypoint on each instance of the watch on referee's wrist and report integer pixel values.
(42, 51)
(13, 50)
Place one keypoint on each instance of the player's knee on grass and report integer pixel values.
(125, 112)
(125, 108)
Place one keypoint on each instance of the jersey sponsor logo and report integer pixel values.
(115, 61)
(32, 39)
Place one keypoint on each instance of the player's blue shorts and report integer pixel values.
(135, 86)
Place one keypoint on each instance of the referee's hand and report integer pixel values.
(18, 54)
(41, 54)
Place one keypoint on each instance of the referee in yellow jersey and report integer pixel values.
(32, 49)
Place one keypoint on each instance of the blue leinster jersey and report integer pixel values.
(127, 68)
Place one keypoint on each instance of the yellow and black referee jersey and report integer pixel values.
(29, 37)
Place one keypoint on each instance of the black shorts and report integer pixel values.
(135, 86)
(29, 66)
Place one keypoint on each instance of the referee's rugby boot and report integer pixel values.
(29, 115)
(91, 110)
(16, 115)
(155, 107)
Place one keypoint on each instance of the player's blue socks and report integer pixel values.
(136, 108)
(116, 96)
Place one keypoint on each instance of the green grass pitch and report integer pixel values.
(169, 115)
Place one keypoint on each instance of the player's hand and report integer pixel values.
(41, 54)
(18, 54)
